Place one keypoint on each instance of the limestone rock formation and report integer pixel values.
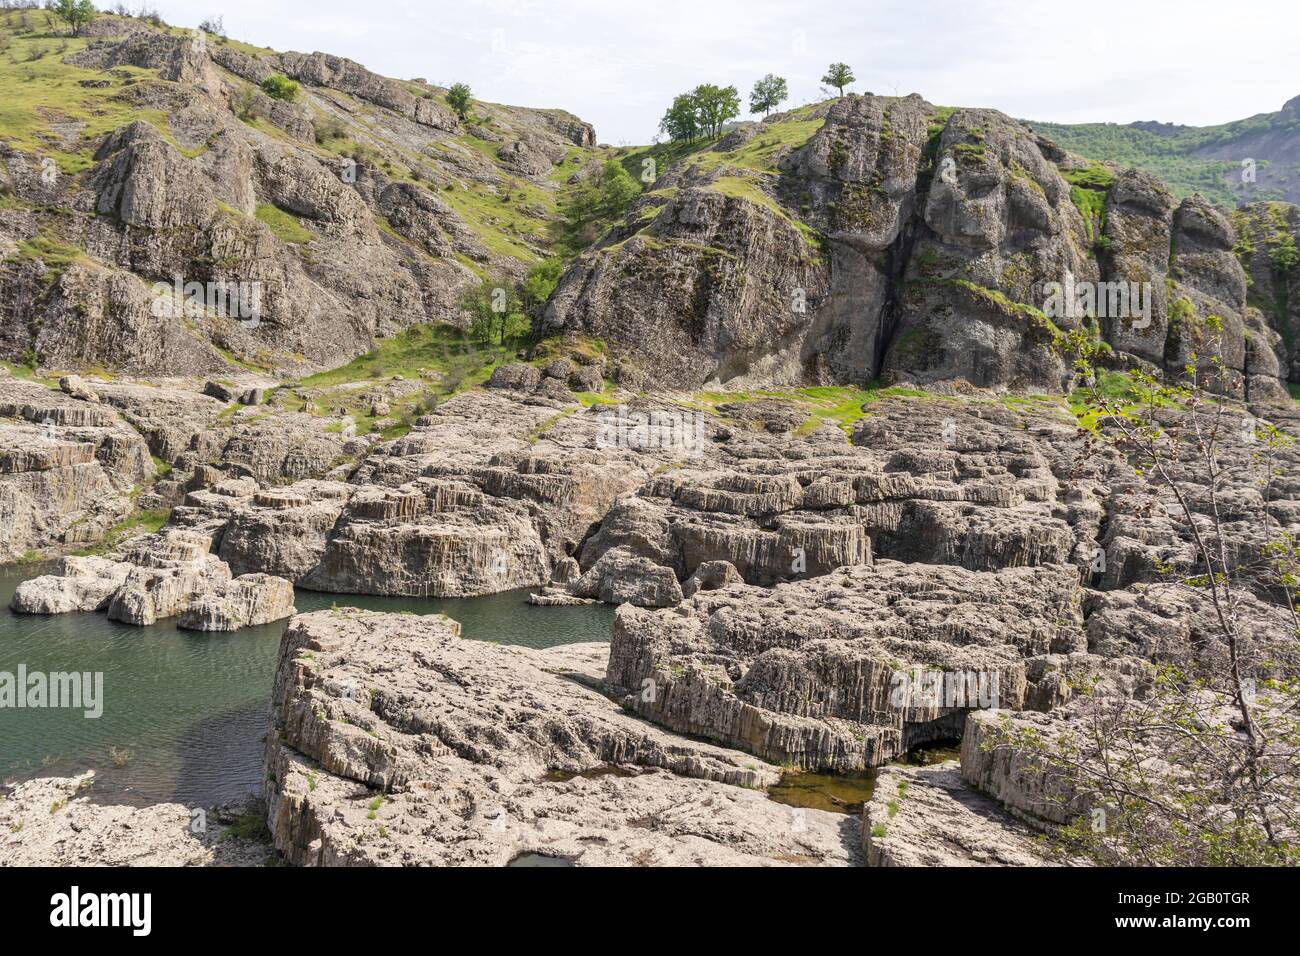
(169, 574)
(897, 240)
(396, 742)
(54, 821)
(67, 468)
(82, 584)
(246, 601)
(471, 501)
(831, 672)
(927, 816)
(212, 189)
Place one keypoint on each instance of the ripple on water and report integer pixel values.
(185, 712)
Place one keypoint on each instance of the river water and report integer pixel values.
(185, 712)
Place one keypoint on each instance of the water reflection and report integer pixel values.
(185, 712)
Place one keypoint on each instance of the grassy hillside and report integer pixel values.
(1197, 159)
(51, 108)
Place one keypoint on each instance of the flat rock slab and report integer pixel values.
(926, 816)
(52, 822)
(396, 742)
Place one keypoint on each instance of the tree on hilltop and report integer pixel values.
(75, 13)
(460, 99)
(768, 94)
(839, 75)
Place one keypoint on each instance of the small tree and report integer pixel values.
(244, 102)
(715, 106)
(75, 13)
(280, 87)
(1204, 768)
(214, 25)
(768, 94)
(839, 75)
(681, 121)
(538, 286)
(595, 205)
(495, 312)
(460, 99)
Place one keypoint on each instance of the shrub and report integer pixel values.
(460, 99)
(280, 87)
(328, 128)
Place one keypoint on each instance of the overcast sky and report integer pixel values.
(618, 63)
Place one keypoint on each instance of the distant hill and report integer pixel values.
(1204, 159)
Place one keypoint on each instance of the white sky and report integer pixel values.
(618, 63)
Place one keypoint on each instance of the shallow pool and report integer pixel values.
(184, 712)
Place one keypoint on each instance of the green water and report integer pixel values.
(835, 792)
(846, 792)
(185, 712)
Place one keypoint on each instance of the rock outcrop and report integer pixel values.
(927, 816)
(839, 671)
(218, 229)
(67, 469)
(159, 576)
(881, 237)
(246, 601)
(396, 742)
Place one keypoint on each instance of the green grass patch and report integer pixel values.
(286, 227)
(1120, 390)
(842, 406)
(56, 254)
(249, 826)
(148, 521)
(460, 363)
(42, 93)
(745, 189)
(763, 151)
(441, 348)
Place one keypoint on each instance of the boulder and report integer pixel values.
(622, 577)
(520, 377)
(82, 584)
(76, 387)
(710, 576)
(246, 601)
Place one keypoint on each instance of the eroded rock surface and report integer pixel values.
(67, 468)
(810, 673)
(928, 816)
(52, 821)
(169, 574)
(394, 741)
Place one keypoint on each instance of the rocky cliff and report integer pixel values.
(883, 237)
(142, 161)
(863, 238)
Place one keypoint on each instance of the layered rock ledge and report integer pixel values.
(171, 574)
(395, 741)
(928, 816)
